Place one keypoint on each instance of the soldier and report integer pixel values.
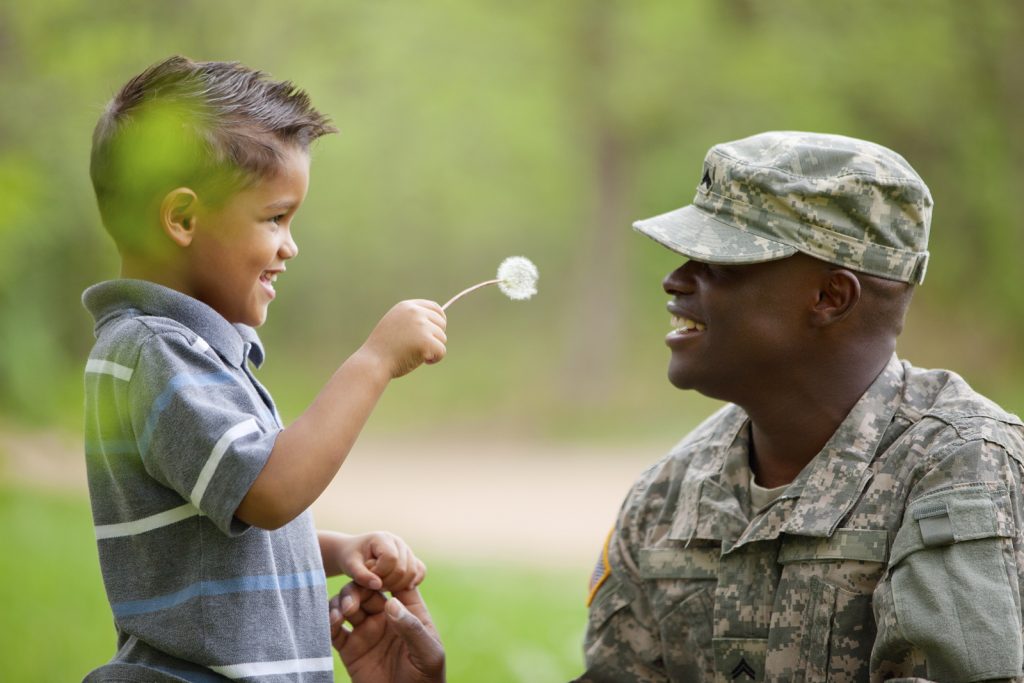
(847, 516)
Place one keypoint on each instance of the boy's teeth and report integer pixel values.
(685, 324)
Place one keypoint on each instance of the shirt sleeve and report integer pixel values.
(951, 592)
(195, 426)
(622, 642)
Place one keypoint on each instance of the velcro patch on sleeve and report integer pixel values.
(602, 570)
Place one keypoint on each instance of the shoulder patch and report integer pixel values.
(602, 570)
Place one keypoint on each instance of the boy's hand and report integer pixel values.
(412, 332)
(379, 561)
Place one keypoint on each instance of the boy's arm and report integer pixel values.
(308, 453)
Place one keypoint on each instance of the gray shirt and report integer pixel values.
(176, 431)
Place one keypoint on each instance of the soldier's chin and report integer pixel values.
(684, 378)
(680, 377)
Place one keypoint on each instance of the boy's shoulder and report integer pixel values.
(125, 328)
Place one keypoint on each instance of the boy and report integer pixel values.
(209, 556)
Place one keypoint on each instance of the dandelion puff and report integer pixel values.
(517, 279)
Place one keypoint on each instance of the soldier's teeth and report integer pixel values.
(685, 324)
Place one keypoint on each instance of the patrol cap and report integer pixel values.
(842, 200)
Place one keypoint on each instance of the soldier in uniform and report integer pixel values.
(846, 516)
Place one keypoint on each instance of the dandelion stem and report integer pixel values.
(467, 291)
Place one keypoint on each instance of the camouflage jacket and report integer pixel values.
(898, 552)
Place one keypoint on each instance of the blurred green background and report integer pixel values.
(472, 130)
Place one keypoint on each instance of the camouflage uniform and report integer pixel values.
(897, 552)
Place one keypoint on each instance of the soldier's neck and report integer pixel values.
(792, 425)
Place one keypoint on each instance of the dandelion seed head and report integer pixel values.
(517, 278)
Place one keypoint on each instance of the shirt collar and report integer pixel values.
(234, 342)
(831, 483)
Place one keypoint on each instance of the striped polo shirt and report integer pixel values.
(176, 431)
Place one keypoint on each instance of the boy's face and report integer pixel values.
(240, 247)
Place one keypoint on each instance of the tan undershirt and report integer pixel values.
(760, 497)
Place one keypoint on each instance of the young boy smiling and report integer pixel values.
(209, 556)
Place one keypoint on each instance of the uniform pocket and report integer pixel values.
(823, 628)
(682, 581)
(817, 631)
(686, 633)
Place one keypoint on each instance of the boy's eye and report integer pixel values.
(276, 220)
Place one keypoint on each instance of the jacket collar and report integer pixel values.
(713, 502)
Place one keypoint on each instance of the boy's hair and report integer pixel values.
(215, 127)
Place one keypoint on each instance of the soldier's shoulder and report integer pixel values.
(947, 412)
(696, 453)
(945, 396)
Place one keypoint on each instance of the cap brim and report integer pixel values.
(698, 235)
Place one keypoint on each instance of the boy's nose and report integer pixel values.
(289, 249)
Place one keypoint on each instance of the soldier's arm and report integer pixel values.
(949, 605)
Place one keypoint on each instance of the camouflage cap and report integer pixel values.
(842, 200)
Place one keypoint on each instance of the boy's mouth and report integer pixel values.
(267, 279)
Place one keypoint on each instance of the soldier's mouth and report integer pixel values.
(681, 325)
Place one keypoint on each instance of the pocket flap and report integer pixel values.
(679, 563)
(951, 516)
(866, 545)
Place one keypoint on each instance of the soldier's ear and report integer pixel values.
(838, 294)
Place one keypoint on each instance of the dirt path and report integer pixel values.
(529, 503)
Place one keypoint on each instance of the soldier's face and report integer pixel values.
(738, 330)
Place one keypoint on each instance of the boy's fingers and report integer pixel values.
(362, 575)
(431, 305)
(386, 555)
(404, 569)
(436, 354)
(421, 573)
(438, 318)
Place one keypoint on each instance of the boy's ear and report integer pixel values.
(838, 295)
(178, 215)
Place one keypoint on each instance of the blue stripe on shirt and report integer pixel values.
(242, 584)
(177, 383)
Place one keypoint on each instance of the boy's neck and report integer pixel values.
(164, 274)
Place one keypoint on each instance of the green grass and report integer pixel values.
(499, 623)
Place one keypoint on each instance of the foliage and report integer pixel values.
(471, 130)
